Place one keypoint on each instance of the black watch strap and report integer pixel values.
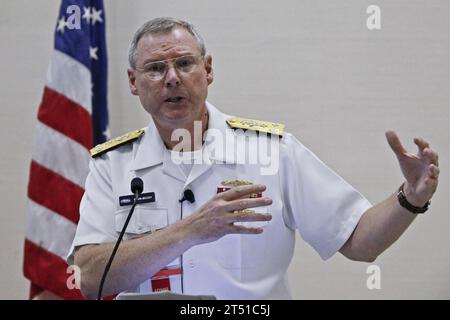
(408, 206)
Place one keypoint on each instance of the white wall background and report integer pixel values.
(310, 64)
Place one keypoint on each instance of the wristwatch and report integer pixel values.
(408, 206)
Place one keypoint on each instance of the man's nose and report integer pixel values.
(172, 77)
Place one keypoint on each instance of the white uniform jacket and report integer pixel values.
(307, 196)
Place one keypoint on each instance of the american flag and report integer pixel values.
(72, 118)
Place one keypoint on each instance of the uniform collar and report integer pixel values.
(150, 150)
(218, 147)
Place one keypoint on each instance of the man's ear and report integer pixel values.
(209, 69)
(132, 81)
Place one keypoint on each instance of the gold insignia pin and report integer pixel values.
(235, 183)
(228, 184)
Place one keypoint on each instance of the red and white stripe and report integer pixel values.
(58, 171)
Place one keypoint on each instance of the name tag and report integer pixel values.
(143, 198)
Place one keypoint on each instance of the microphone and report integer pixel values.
(137, 186)
(188, 195)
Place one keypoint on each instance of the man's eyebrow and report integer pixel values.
(150, 60)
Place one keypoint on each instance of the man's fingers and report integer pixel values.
(421, 144)
(433, 171)
(246, 203)
(431, 184)
(431, 155)
(245, 230)
(242, 191)
(247, 216)
(426, 151)
(394, 143)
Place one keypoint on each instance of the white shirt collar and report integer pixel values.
(151, 149)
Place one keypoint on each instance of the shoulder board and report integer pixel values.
(116, 142)
(256, 125)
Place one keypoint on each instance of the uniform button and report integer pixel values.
(191, 264)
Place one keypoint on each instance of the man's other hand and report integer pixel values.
(421, 171)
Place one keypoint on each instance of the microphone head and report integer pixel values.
(137, 185)
(189, 195)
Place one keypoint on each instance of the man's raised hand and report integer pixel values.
(420, 170)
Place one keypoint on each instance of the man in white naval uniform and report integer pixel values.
(237, 243)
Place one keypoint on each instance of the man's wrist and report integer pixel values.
(407, 201)
(412, 197)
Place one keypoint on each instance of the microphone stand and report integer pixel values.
(119, 240)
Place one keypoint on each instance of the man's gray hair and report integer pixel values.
(162, 25)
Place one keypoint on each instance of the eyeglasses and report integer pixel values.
(158, 69)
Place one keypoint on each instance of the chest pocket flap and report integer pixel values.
(144, 220)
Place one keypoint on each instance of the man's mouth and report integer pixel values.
(174, 99)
